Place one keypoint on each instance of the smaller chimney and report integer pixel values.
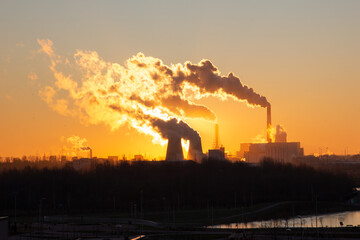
(268, 125)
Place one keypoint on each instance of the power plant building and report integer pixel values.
(279, 151)
(217, 154)
(82, 164)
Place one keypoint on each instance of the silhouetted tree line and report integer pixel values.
(345, 164)
(21, 164)
(166, 185)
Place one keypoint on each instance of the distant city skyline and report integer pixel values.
(301, 55)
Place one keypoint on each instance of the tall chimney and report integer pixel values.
(174, 150)
(268, 125)
(216, 145)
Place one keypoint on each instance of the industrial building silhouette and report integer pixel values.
(279, 150)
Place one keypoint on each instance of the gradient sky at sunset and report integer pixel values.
(302, 55)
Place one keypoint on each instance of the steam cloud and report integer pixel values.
(173, 127)
(280, 135)
(144, 93)
(76, 141)
(75, 145)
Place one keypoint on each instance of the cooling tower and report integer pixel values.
(195, 149)
(268, 125)
(174, 150)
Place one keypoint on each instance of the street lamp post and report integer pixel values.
(40, 211)
(15, 193)
(15, 203)
(300, 220)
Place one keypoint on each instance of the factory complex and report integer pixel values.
(278, 148)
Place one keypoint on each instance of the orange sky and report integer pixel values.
(301, 55)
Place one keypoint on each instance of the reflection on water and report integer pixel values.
(341, 219)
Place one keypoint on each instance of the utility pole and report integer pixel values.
(317, 230)
(212, 214)
(235, 199)
(141, 205)
(15, 193)
(15, 227)
(40, 212)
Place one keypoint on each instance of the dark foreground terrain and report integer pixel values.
(124, 231)
(176, 198)
(142, 186)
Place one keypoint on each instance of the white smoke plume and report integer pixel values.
(143, 93)
(74, 146)
(175, 127)
(76, 142)
(280, 135)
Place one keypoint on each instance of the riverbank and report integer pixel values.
(170, 218)
(97, 232)
(279, 210)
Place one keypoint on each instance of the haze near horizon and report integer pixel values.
(301, 56)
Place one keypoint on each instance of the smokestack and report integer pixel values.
(268, 127)
(87, 149)
(195, 149)
(216, 145)
(174, 150)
